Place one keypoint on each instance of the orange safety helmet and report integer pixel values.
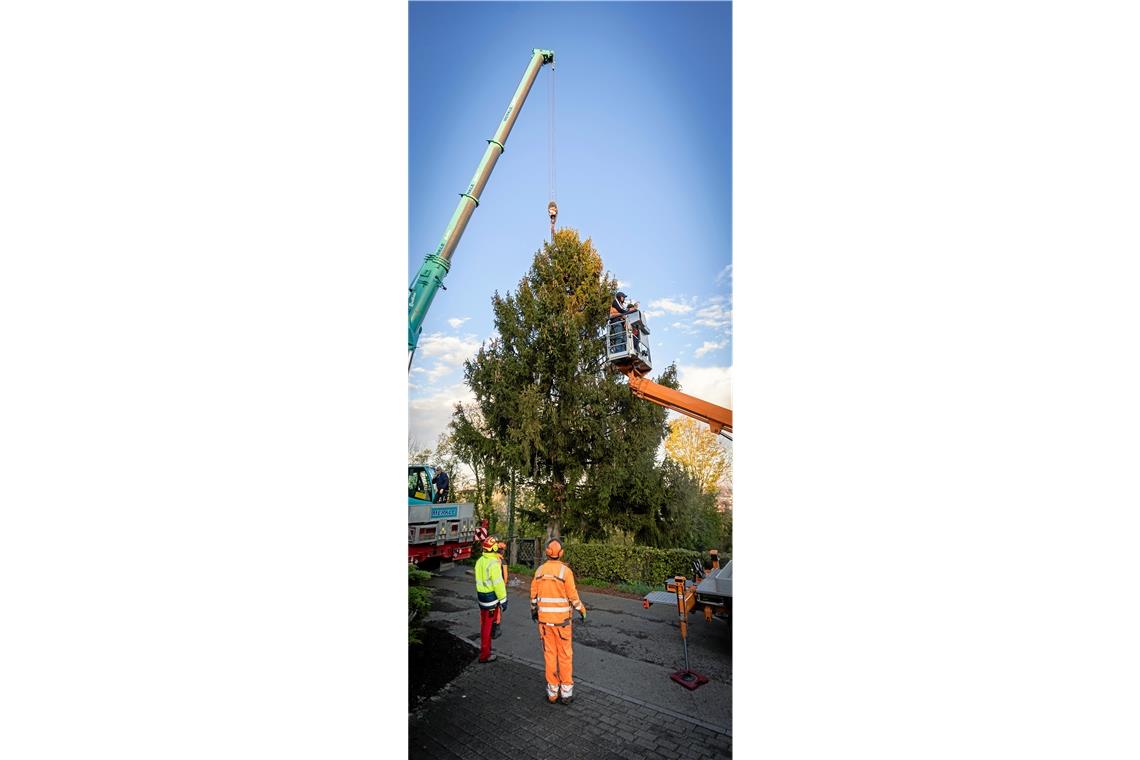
(554, 548)
(489, 543)
(501, 546)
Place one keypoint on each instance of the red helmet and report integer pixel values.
(489, 543)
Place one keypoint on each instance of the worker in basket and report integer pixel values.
(619, 308)
(492, 594)
(552, 595)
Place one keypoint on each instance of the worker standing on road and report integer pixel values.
(491, 592)
(552, 595)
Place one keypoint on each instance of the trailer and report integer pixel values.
(710, 591)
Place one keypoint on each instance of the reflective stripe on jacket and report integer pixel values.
(489, 585)
(554, 593)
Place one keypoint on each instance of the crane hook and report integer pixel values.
(552, 209)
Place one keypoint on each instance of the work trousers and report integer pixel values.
(486, 619)
(558, 652)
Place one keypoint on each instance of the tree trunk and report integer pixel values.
(557, 504)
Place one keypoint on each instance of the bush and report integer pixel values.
(419, 602)
(631, 564)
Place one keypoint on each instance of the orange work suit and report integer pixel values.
(553, 594)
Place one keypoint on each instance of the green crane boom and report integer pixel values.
(429, 279)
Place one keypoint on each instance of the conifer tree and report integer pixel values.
(549, 407)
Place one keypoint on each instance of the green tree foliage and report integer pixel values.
(419, 602)
(690, 519)
(626, 492)
(549, 408)
(473, 444)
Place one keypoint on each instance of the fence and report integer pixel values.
(525, 551)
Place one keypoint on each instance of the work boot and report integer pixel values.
(492, 658)
(566, 700)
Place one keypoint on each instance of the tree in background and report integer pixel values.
(417, 453)
(473, 445)
(695, 502)
(693, 446)
(690, 519)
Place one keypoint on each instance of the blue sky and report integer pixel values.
(643, 150)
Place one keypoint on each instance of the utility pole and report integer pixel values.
(511, 522)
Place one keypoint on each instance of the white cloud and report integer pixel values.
(428, 416)
(623, 285)
(715, 315)
(707, 346)
(457, 321)
(448, 351)
(439, 370)
(725, 274)
(671, 306)
(713, 384)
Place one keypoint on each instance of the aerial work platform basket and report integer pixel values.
(627, 343)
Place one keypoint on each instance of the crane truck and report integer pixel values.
(447, 531)
(436, 531)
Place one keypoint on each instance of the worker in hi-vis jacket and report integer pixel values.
(552, 596)
(492, 594)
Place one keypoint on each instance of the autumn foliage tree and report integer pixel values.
(693, 446)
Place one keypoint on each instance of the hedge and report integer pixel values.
(632, 564)
(419, 602)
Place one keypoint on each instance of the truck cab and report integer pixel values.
(420, 486)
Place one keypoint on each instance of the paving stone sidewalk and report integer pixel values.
(499, 710)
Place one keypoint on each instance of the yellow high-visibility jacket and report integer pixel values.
(489, 584)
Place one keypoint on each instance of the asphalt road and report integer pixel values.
(622, 649)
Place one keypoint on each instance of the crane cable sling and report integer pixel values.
(551, 99)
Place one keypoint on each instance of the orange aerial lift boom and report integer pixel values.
(716, 417)
(627, 351)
